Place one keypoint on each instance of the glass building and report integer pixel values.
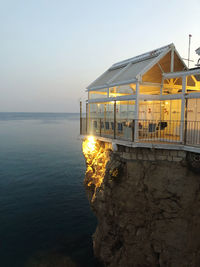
(150, 97)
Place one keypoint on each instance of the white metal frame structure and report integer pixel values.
(132, 71)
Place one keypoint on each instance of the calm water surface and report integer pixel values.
(43, 206)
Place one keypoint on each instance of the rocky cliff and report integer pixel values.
(148, 207)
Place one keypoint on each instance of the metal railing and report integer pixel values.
(159, 130)
(121, 129)
(164, 131)
(192, 133)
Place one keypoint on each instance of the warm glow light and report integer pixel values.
(91, 139)
(96, 159)
(89, 145)
(113, 94)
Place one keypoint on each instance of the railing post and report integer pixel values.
(136, 112)
(80, 117)
(132, 127)
(114, 119)
(86, 124)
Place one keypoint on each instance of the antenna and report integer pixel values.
(190, 36)
(188, 58)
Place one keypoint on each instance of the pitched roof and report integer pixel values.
(127, 71)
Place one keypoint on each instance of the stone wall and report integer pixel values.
(149, 154)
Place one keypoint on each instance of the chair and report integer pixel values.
(107, 125)
(152, 127)
(162, 125)
(119, 127)
(95, 124)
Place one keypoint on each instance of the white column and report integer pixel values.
(136, 112)
(183, 109)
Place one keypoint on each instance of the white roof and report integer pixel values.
(128, 71)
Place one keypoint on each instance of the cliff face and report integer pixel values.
(148, 209)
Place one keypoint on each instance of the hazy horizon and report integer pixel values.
(51, 51)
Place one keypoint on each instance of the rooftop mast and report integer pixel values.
(190, 35)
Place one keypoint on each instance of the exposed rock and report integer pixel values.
(148, 214)
(193, 160)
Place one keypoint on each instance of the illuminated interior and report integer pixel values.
(146, 96)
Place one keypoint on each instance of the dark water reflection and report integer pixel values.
(43, 206)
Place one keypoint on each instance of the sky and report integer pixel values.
(51, 50)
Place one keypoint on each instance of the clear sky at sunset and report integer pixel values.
(51, 50)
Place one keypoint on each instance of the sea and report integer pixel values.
(43, 205)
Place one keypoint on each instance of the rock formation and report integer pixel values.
(147, 205)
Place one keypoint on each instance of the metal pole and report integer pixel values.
(80, 117)
(86, 125)
(115, 119)
(189, 50)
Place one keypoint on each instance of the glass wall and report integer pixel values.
(122, 90)
(150, 110)
(128, 89)
(171, 110)
(101, 118)
(125, 110)
(193, 109)
(157, 119)
(160, 120)
(101, 93)
(125, 116)
(160, 110)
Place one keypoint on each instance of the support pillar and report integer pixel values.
(114, 133)
(80, 117)
(183, 109)
(86, 123)
(136, 113)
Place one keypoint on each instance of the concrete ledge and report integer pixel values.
(158, 145)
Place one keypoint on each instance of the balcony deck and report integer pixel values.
(176, 135)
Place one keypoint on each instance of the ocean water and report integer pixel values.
(43, 205)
